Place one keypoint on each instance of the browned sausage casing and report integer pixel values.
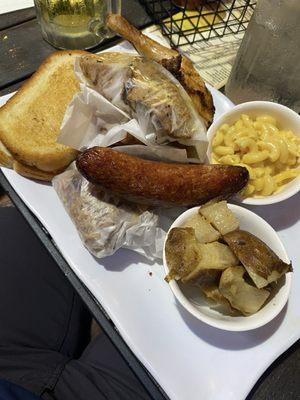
(158, 183)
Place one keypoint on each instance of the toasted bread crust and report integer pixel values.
(30, 120)
(32, 172)
(6, 159)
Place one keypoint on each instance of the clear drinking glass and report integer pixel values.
(75, 24)
(267, 66)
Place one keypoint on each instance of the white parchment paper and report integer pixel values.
(104, 222)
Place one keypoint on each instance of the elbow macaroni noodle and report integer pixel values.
(271, 155)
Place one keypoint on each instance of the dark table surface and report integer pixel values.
(22, 49)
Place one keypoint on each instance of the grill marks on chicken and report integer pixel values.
(180, 66)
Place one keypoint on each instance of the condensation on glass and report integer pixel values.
(75, 24)
(267, 66)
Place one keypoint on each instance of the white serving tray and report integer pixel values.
(189, 359)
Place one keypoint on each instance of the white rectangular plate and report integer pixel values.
(189, 359)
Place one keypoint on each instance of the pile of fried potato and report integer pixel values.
(232, 267)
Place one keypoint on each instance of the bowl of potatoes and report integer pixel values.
(227, 266)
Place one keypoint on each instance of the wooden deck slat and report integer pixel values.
(16, 17)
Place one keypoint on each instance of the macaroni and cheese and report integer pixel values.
(271, 155)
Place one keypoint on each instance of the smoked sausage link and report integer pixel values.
(159, 183)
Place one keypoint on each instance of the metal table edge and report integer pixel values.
(96, 309)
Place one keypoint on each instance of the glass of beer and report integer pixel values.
(75, 24)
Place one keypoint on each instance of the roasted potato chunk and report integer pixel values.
(217, 300)
(182, 252)
(187, 258)
(261, 263)
(219, 215)
(213, 293)
(214, 255)
(242, 296)
(204, 232)
(208, 277)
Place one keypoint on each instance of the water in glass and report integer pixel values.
(267, 66)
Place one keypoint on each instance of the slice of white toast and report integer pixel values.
(30, 121)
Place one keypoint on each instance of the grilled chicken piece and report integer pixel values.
(103, 69)
(147, 47)
(196, 89)
(180, 66)
(149, 90)
(146, 91)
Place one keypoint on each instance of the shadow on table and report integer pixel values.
(122, 259)
(231, 340)
(280, 215)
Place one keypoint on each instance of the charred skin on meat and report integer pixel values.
(158, 183)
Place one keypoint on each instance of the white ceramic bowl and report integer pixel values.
(287, 120)
(194, 302)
